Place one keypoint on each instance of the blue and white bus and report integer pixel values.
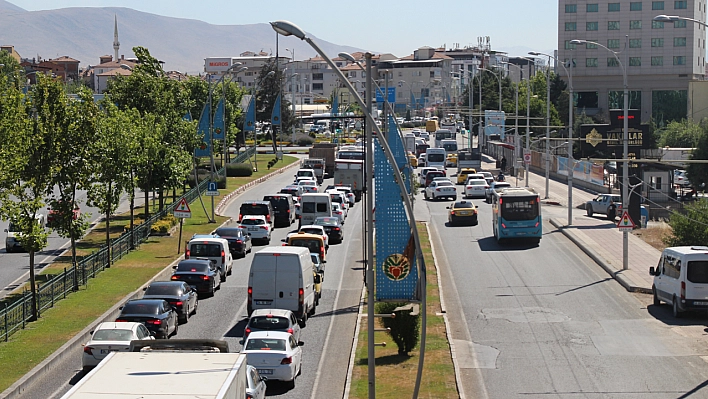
(516, 213)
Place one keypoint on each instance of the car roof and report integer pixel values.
(317, 226)
(274, 312)
(269, 334)
(253, 217)
(166, 283)
(115, 325)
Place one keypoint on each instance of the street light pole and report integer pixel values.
(528, 129)
(548, 119)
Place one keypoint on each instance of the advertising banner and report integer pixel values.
(275, 115)
(582, 170)
(204, 148)
(494, 123)
(218, 126)
(391, 95)
(216, 64)
(249, 125)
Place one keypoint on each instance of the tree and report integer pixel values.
(683, 134)
(269, 87)
(690, 228)
(698, 172)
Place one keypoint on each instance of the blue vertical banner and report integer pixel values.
(218, 126)
(413, 103)
(398, 150)
(250, 124)
(397, 277)
(275, 116)
(204, 147)
(335, 104)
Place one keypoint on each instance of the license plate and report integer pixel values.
(263, 302)
(464, 213)
(253, 229)
(265, 371)
(107, 351)
(701, 303)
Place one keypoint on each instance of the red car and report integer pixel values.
(51, 216)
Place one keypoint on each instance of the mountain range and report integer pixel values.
(86, 33)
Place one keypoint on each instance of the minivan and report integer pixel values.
(681, 279)
(283, 208)
(215, 249)
(314, 205)
(282, 278)
(307, 173)
(257, 208)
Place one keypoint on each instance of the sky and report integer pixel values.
(397, 27)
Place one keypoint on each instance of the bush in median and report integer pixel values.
(239, 170)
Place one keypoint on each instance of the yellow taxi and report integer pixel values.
(451, 160)
(462, 212)
(412, 160)
(462, 175)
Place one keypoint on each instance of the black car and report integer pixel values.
(283, 208)
(200, 274)
(156, 314)
(179, 294)
(333, 228)
(238, 238)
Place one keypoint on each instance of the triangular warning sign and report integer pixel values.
(625, 221)
(183, 206)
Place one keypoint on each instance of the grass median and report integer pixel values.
(30, 346)
(395, 374)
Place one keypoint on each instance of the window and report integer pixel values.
(681, 23)
(317, 76)
(567, 64)
(592, 8)
(635, 24)
(571, 26)
(635, 43)
(613, 43)
(589, 45)
(615, 99)
(569, 45)
(591, 25)
(571, 8)
(657, 61)
(679, 42)
(679, 60)
(657, 25)
(680, 4)
(352, 74)
(657, 42)
(317, 86)
(613, 7)
(635, 61)
(613, 25)
(657, 5)
(612, 62)
(591, 62)
(635, 6)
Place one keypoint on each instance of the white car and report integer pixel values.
(273, 320)
(422, 172)
(316, 229)
(425, 136)
(440, 189)
(476, 188)
(308, 186)
(488, 176)
(256, 384)
(275, 354)
(257, 227)
(495, 186)
(110, 337)
(338, 211)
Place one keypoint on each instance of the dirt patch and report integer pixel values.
(654, 235)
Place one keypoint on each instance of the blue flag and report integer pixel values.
(250, 124)
(204, 147)
(275, 116)
(413, 99)
(335, 104)
(188, 116)
(219, 127)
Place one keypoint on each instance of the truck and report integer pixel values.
(205, 372)
(326, 151)
(350, 172)
(607, 204)
(409, 142)
(316, 164)
(469, 158)
(431, 126)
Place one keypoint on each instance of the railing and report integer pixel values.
(15, 316)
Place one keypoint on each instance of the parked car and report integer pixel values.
(681, 279)
(200, 274)
(257, 227)
(608, 204)
(179, 294)
(440, 189)
(275, 354)
(333, 228)
(273, 320)
(157, 314)
(111, 336)
(462, 212)
(239, 240)
(476, 188)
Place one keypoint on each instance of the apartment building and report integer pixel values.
(661, 58)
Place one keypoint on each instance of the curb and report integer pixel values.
(614, 273)
(352, 353)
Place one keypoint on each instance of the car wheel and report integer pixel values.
(183, 319)
(175, 331)
(675, 309)
(291, 384)
(425, 194)
(229, 271)
(213, 289)
(196, 305)
(222, 277)
(588, 210)
(303, 320)
(657, 301)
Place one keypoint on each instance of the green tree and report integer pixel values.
(698, 172)
(690, 228)
(683, 134)
(11, 70)
(269, 86)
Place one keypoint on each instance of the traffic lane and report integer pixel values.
(546, 320)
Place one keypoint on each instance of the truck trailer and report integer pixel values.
(326, 151)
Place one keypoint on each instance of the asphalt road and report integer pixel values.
(546, 321)
(327, 337)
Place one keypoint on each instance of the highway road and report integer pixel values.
(327, 337)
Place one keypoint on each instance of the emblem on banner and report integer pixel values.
(396, 267)
(593, 138)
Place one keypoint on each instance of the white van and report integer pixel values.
(282, 278)
(213, 248)
(435, 157)
(306, 173)
(314, 205)
(681, 279)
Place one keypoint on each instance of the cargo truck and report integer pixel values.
(326, 151)
(316, 164)
(350, 172)
(469, 158)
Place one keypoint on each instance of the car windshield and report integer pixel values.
(112, 335)
(252, 222)
(228, 232)
(141, 308)
(444, 183)
(269, 322)
(476, 182)
(307, 183)
(311, 244)
(311, 230)
(164, 289)
(463, 204)
(697, 271)
(327, 221)
(436, 157)
(195, 267)
(265, 344)
(205, 249)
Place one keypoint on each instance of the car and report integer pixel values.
(111, 336)
(333, 228)
(463, 173)
(239, 240)
(276, 355)
(442, 178)
(308, 186)
(256, 387)
(608, 204)
(53, 215)
(347, 190)
(681, 179)
(338, 211)
(494, 187)
(12, 240)
(462, 211)
(339, 197)
(488, 176)
(318, 265)
(440, 189)
(294, 190)
(157, 314)
(430, 176)
(257, 227)
(451, 160)
(421, 160)
(315, 229)
(179, 294)
(200, 274)
(423, 172)
(273, 320)
(416, 132)
(213, 248)
(412, 160)
(264, 208)
(425, 136)
(298, 209)
(476, 188)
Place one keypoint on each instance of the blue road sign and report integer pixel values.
(391, 95)
(212, 186)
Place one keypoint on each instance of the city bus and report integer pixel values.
(516, 213)
(351, 152)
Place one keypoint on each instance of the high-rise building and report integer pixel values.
(661, 58)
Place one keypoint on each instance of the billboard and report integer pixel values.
(216, 64)
(494, 123)
(391, 94)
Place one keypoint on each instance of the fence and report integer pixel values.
(16, 315)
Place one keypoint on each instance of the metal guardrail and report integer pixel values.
(15, 316)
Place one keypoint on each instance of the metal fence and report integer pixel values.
(15, 316)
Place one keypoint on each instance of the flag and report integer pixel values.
(188, 116)
(250, 124)
(204, 147)
(219, 127)
(413, 100)
(275, 116)
(335, 104)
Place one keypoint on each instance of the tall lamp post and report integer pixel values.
(625, 139)
(516, 120)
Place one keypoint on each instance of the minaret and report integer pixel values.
(116, 43)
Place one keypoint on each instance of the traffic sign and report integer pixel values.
(212, 190)
(625, 222)
(182, 209)
(527, 157)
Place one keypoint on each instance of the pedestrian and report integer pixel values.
(503, 164)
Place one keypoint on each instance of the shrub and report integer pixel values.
(405, 329)
(303, 140)
(221, 183)
(239, 170)
(163, 225)
(689, 228)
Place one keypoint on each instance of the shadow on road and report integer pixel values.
(237, 330)
(664, 314)
(490, 244)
